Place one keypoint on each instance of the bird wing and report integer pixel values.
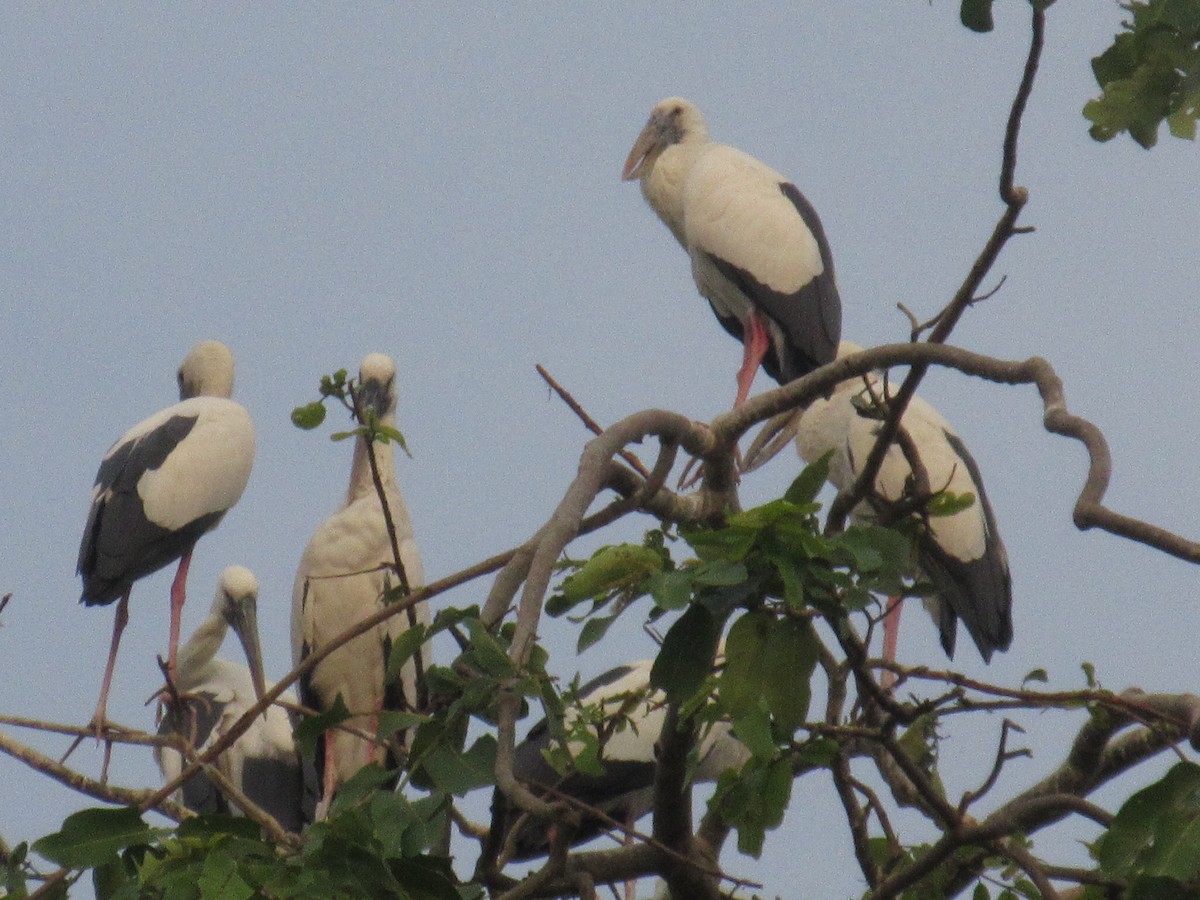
(195, 718)
(168, 480)
(756, 241)
(118, 537)
(977, 587)
(961, 554)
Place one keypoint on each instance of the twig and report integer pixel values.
(144, 799)
(587, 420)
(1014, 199)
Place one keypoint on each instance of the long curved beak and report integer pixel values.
(245, 626)
(649, 143)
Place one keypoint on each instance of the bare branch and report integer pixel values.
(588, 422)
(92, 788)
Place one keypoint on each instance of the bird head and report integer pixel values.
(672, 121)
(207, 371)
(377, 385)
(239, 608)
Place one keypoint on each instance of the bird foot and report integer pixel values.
(99, 727)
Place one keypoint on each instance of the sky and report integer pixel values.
(309, 183)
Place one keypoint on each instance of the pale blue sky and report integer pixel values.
(309, 183)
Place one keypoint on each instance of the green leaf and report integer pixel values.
(404, 646)
(753, 729)
(593, 631)
(788, 663)
(428, 878)
(977, 15)
(310, 728)
(92, 837)
(947, 503)
(1089, 673)
(1157, 830)
(488, 651)
(389, 722)
(1038, 675)
(334, 385)
(809, 482)
(611, 568)
(387, 433)
(671, 590)
(219, 878)
(457, 773)
(685, 659)
(719, 573)
(742, 681)
(309, 416)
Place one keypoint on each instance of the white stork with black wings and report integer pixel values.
(759, 253)
(215, 693)
(961, 554)
(625, 789)
(342, 578)
(167, 481)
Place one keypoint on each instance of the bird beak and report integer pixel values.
(245, 626)
(649, 143)
(373, 396)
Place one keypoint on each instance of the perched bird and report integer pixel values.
(214, 694)
(166, 482)
(960, 554)
(625, 789)
(342, 578)
(759, 253)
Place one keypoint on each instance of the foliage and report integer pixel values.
(1150, 74)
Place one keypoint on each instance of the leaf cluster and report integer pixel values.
(1150, 74)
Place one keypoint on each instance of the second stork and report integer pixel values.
(343, 577)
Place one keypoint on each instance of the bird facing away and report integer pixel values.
(166, 482)
(759, 254)
(625, 790)
(342, 578)
(214, 694)
(960, 554)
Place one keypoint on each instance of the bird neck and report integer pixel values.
(199, 650)
(361, 482)
(662, 185)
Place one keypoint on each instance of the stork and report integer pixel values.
(167, 481)
(960, 554)
(343, 575)
(625, 789)
(214, 694)
(759, 254)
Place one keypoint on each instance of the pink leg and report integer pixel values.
(631, 884)
(755, 344)
(891, 634)
(329, 779)
(178, 595)
(119, 623)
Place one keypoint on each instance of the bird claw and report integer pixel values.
(99, 728)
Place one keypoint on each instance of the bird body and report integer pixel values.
(758, 250)
(625, 789)
(342, 578)
(216, 693)
(962, 554)
(167, 481)
(159, 488)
